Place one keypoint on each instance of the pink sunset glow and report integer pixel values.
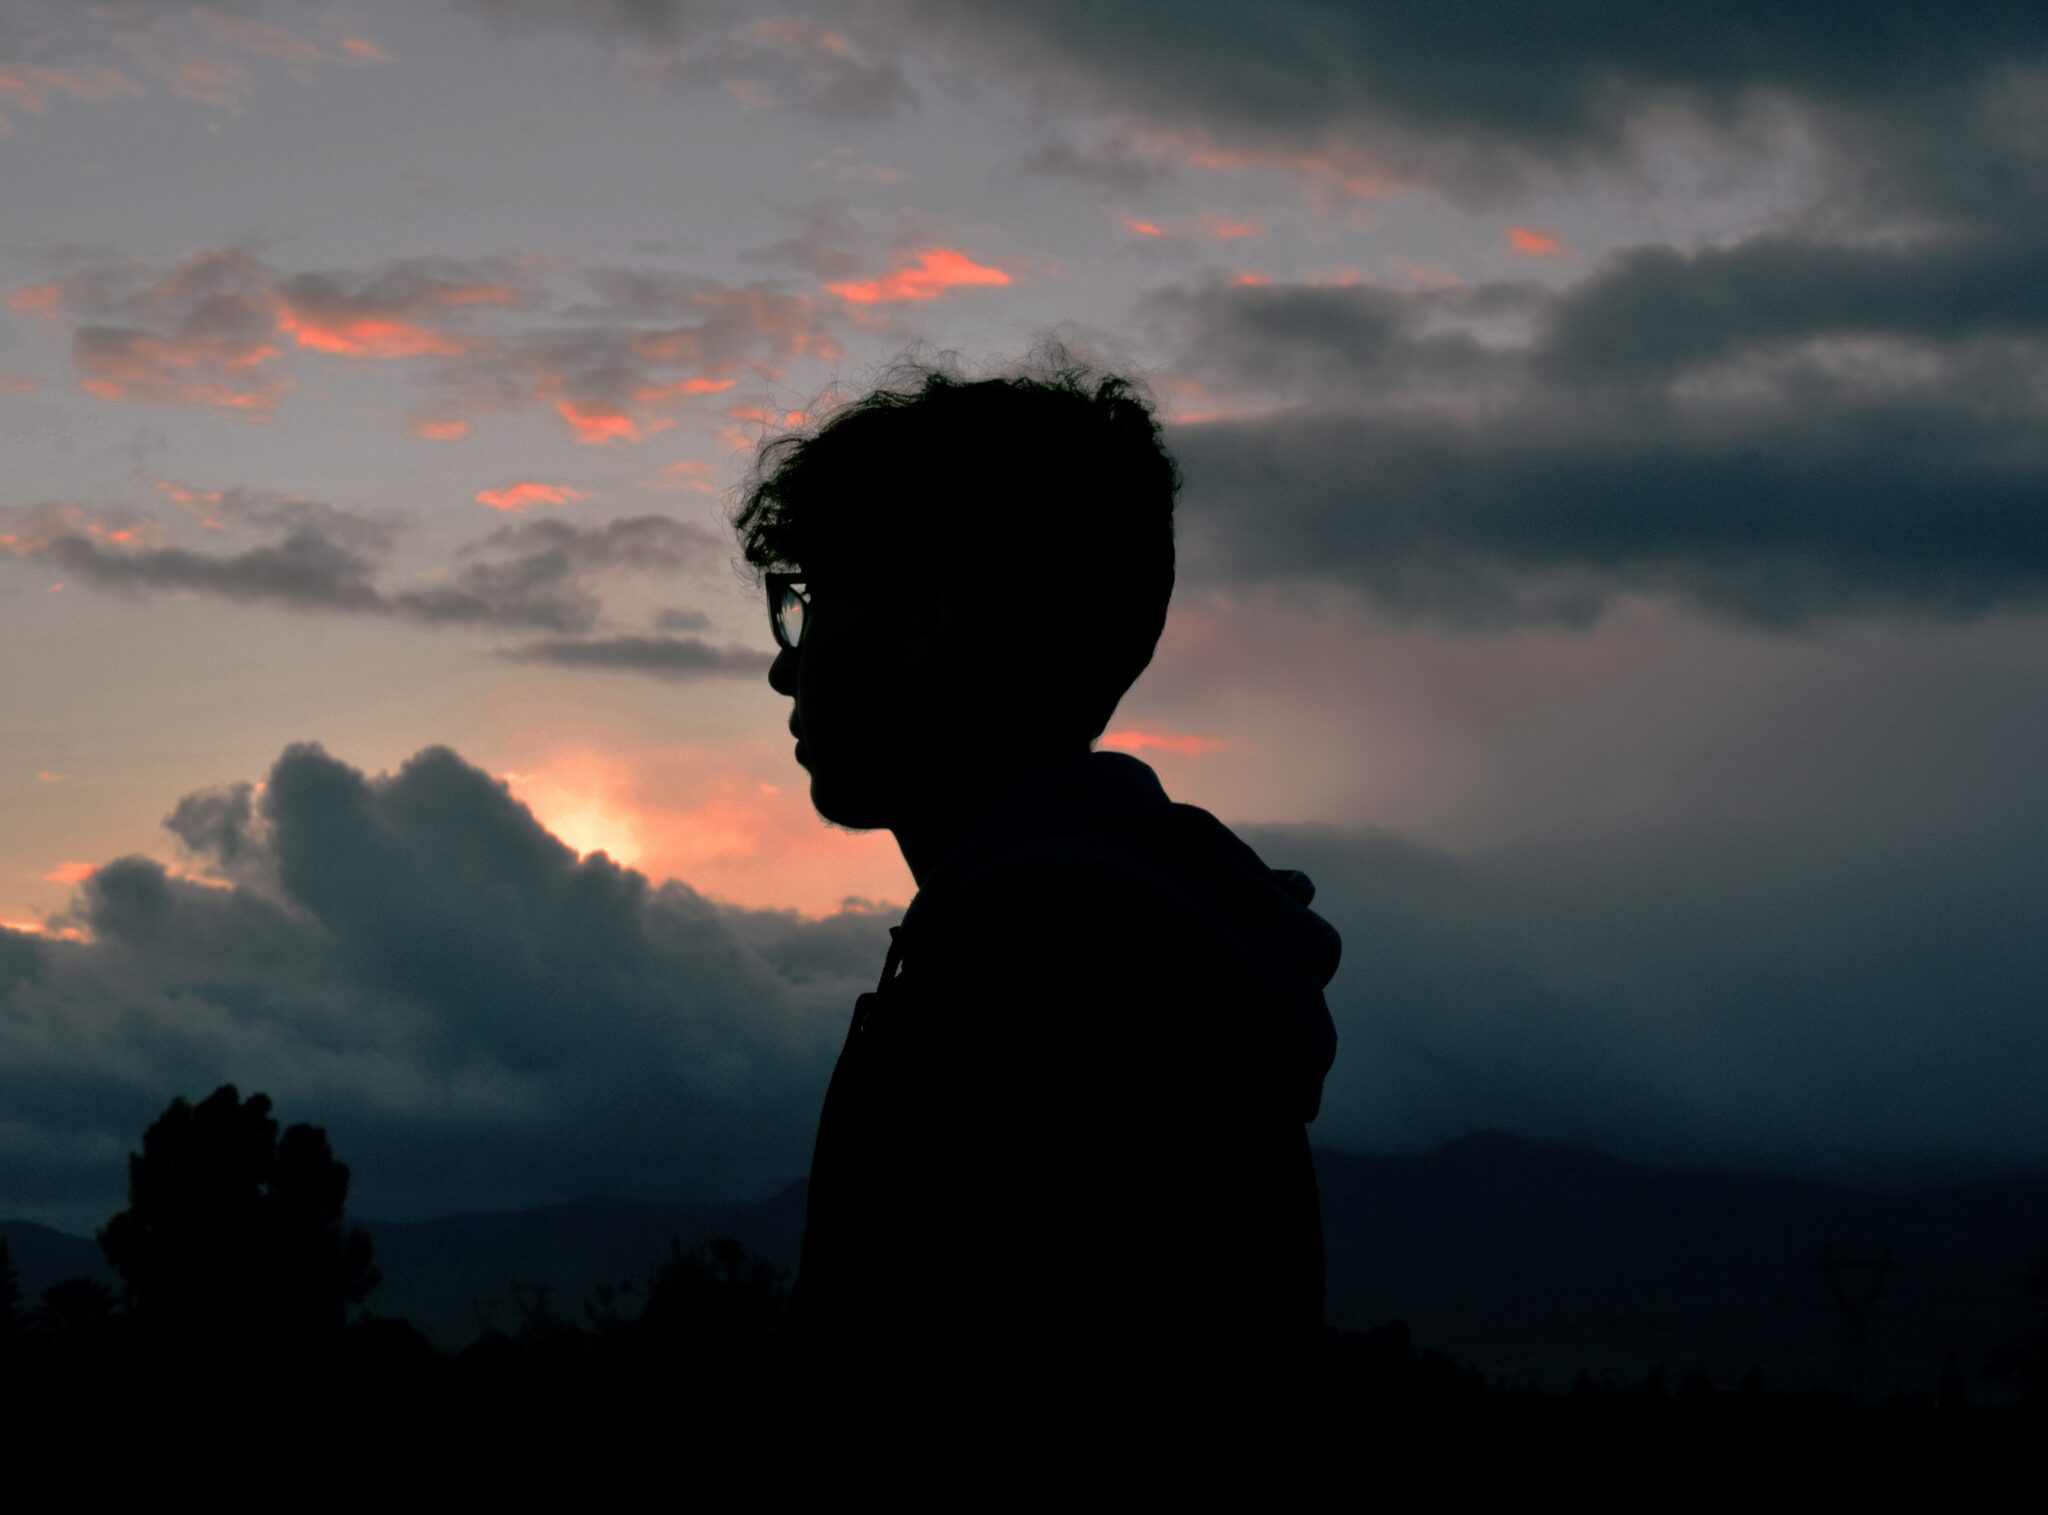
(715, 820)
(1535, 241)
(936, 270)
(526, 494)
(1135, 739)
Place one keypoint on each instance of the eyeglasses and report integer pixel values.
(789, 603)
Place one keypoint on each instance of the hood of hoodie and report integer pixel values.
(1107, 810)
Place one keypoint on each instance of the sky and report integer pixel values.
(1612, 553)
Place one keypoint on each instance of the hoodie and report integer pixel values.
(1106, 813)
(1065, 1140)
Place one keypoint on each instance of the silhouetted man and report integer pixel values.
(1062, 1236)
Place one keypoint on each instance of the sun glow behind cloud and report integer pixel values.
(712, 819)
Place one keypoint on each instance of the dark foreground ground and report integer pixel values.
(559, 1412)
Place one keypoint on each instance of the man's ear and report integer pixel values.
(935, 621)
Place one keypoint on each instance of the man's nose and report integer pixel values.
(782, 672)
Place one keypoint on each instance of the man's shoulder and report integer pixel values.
(1077, 890)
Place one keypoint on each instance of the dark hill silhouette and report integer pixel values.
(440, 1273)
(1517, 1257)
(45, 1256)
(1527, 1258)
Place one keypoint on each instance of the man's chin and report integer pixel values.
(855, 812)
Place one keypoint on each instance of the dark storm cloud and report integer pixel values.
(1475, 98)
(1779, 431)
(482, 1019)
(662, 657)
(477, 1016)
(1656, 312)
(1829, 996)
(216, 823)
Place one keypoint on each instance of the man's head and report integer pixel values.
(989, 564)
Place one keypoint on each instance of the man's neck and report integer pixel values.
(947, 815)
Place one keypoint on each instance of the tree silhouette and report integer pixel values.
(233, 1245)
(719, 1301)
(2025, 1360)
(10, 1292)
(75, 1309)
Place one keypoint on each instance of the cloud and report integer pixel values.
(386, 315)
(1778, 431)
(616, 369)
(305, 571)
(1422, 95)
(194, 50)
(526, 494)
(412, 961)
(30, 87)
(1535, 241)
(614, 355)
(762, 61)
(657, 19)
(644, 541)
(676, 658)
(933, 271)
(529, 576)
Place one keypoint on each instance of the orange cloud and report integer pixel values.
(687, 473)
(440, 431)
(1144, 228)
(70, 873)
(1250, 277)
(29, 87)
(363, 49)
(179, 494)
(1535, 241)
(595, 422)
(526, 494)
(675, 387)
(936, 270)
(1216, 226)
(36, 299)
(126, 364)
(1321, 170)
(369, 336)
(41, 928)
(1134, 740)
(765, 416)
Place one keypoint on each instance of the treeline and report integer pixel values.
(241, 1365)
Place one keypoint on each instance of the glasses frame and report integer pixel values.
(780, 584)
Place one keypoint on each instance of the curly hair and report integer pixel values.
(1049, 484)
